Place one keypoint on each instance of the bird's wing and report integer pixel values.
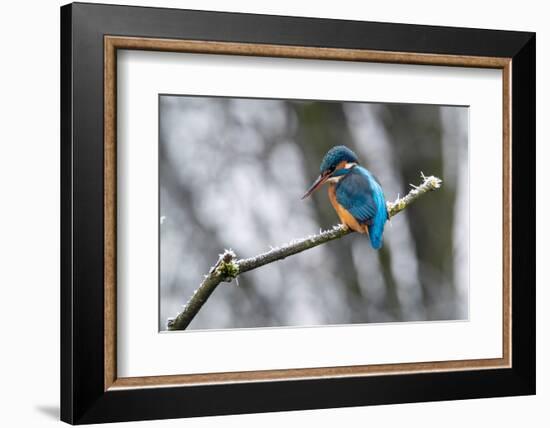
(355, 194)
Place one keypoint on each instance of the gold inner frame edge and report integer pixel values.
(113, 43)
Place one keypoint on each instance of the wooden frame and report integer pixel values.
(113, 43)
(513, 53)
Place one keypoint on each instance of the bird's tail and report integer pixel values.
(376, 230)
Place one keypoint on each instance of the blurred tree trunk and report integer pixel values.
(417, 132)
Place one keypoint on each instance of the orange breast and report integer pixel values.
(344, 215)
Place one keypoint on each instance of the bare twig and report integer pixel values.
(228, 267)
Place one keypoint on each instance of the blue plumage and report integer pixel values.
(361, 195)
(337, 155)
(354, 192)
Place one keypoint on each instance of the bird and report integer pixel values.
(354, 192)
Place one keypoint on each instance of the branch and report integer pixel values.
(228, 267)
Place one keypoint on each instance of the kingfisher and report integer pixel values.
(354, 192)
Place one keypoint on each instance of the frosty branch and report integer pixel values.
(228, 267)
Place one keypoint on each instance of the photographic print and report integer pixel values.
(256, 179)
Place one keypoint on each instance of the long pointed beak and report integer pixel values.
(320, 180)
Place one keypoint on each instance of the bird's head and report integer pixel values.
(337, 162)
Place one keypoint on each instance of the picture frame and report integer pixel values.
(91, 391)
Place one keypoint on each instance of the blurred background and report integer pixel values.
(232, 172)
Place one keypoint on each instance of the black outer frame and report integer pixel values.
(83, 399)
